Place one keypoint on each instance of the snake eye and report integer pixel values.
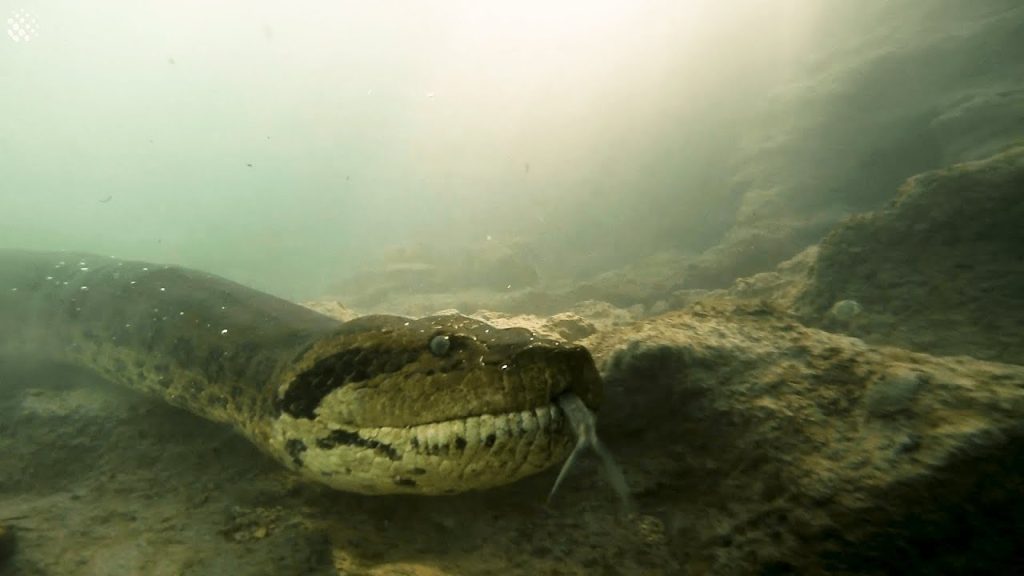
(440, 345)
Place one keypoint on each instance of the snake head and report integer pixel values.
(441, 404)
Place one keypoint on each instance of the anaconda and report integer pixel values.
(380, 404)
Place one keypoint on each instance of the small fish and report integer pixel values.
(584, 425)
(107, 199)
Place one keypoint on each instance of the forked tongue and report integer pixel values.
(584, 425)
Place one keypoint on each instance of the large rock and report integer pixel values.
(769, 447)
(941, 270)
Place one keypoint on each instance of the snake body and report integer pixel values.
(377, 405)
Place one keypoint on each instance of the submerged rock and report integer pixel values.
(845, 310)
(772, 445)
(332, 308)
(940, 270)
(893, 393)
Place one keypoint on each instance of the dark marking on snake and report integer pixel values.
(295, 448)
(346, 367)
(346, 438)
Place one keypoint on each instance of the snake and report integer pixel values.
(381, 404)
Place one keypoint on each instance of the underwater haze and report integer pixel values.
(285, 145)
(280, 143)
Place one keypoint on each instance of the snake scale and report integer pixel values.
(377, 405)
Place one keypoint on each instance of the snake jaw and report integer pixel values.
(437, 458)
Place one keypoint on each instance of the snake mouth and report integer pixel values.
(445, 457)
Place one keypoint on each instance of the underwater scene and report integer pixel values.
(460, 288)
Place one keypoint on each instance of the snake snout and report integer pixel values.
(582, 376)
